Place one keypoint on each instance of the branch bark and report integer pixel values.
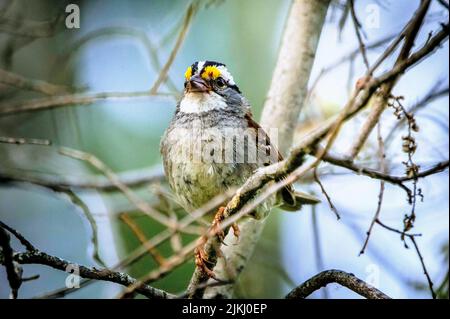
(35, 256)
(340, 277)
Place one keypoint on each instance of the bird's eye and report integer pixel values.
(221, 82)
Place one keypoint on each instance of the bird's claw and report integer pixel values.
(201, 261)
(201, 257)
(236, 230)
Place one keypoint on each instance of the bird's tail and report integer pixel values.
(297, 200)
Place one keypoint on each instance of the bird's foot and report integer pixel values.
(201, 257)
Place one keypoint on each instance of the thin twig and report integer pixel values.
(322, 188)
(344, 162)
(23, 141)
(129, 194)
(13, 273)
(29, 246)
(401, 232)
(23, 83)
(33, 29)
(190, 12)
(434, 94)
(135, 178)
(381, 155)
(384, 94)
(115, 31)
(46, 103)
(317, 244)
(358, 29)
(137, 231)
(430, 283)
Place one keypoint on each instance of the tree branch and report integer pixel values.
(340, 277)
(22, 141)
(134, 178)
(13, 273)
(190, 12)
(23, 83)
(384, 94)
(35, 256)
(348, 164)
(39, 104)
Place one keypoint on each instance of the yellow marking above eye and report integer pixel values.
(211, 72)
(188, 73)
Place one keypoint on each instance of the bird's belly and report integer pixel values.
(198, 171)
(198, 183)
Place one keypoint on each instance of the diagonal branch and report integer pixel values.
(384, 94)
(190, 12)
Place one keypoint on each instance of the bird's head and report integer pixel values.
(209, 85)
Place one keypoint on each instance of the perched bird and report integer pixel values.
(213, 144)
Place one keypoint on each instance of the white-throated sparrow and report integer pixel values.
(213, 144)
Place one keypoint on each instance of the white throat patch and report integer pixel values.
(202, 102)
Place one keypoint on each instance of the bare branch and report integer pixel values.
(22, 141)
(444, 4)
(129, 194)
(340, 277)
(137, 231)
(13, 273)
(384, 94)
(381, 155)
(116, 31)
(32, 29)
(401, 232)
(317, 244)
(346, 163)
(63, 183)
(36, 256)
(434, 94)
(23, 83)
(358, 28)
(324, 192)
(427, 275)
(38, 104)
(190, 12)
(19, 236)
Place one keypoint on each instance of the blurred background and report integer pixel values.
(121, 47)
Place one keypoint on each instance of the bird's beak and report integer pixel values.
(197, 84)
